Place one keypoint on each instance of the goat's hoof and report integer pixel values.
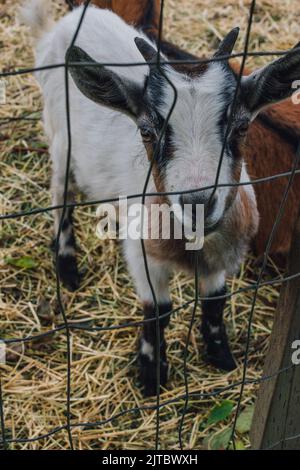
(148, 375)
(224, 363)
(220, 356)
(68, 272)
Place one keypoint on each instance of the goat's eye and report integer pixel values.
(147, 134)
(242, 128)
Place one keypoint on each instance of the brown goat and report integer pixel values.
(143, 13)
(270, 146)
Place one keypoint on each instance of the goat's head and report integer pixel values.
(186, 156)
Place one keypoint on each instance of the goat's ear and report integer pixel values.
(226, 46)
(102, 85)
(272, 83)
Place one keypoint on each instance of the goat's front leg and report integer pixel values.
(149, 349)
(213, 328)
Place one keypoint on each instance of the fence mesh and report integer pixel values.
(68, 326)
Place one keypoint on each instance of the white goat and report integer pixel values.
(117, 114)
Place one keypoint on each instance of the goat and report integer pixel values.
(270, 146)
(132, 103)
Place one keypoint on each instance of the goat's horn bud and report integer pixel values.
(226, 46)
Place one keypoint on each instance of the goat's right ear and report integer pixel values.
(102, 85)
(272, 83)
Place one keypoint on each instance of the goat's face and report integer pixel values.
(185, 145)
(186, 148)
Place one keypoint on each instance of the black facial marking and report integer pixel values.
(154, 88)
(166, 151)
(226, 96)
(233, 127)
(237, 131)
(152, 123)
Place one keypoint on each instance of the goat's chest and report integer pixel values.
(219, 253)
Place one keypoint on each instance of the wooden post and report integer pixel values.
(277, 410)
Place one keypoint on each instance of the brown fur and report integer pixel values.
(230, 241)
(169, 250)
(245, 218)
(132, 11)
(268, 154)
(156, 173)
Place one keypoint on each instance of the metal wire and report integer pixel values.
(265, 260)
(235, 98)
(198, 395)
(23, 71)
(66, 327)
(155, 154)
(77, 326)
(43, 210)
(185, 371)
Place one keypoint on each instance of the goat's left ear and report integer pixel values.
(102, 85)
(272, 83)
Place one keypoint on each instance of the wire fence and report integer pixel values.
(68, 326)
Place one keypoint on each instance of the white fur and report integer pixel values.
(147, 349)
(197, 142)
(106, 147)
(159, 273)
(213, 283)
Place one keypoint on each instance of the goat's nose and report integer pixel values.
(197, 198)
